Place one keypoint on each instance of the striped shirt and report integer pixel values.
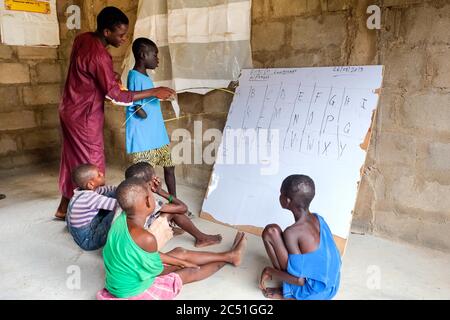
(86, 204)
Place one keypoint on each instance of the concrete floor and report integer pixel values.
(39, 260)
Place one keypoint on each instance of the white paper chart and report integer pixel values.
(307, 121)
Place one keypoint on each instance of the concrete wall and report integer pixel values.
(30, 90)
(31, 83)
(404, 192)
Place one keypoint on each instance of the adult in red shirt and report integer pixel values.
(91, 79)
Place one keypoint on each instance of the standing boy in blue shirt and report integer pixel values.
(146, 134)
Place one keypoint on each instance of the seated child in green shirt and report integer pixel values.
(135, 270)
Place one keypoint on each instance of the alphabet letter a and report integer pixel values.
(374, 21)
(74, 19)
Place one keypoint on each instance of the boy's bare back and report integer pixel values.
(303, 236)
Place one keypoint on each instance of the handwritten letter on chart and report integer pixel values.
(294, 121)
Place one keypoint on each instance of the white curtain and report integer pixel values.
(202, 43)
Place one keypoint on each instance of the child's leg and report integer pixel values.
(202, 240)
(169, 269)
(189, 275)
(169, 178)
(100, 226)
(62, 208)
(233, 256)
(209, 263)
(275, 247)
(278, 254)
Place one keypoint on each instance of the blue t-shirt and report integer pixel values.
(321, 269)
(144, 134)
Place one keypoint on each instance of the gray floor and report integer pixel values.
(40, 261)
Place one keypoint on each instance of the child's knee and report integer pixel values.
(271, 231)
(179, 252)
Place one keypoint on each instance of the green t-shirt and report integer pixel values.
(130, 270)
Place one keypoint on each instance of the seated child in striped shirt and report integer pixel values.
(91, 209)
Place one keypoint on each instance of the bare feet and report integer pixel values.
(273, 293)
(208, 240)
(240, 242)
(237, 239)
(62, 209)
(60, 215)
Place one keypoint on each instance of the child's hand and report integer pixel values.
(155, 185)
(140, 112)
(265, 276)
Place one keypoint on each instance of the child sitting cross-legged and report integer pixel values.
(135, 270)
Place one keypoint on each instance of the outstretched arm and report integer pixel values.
(162, 93)
(103, 71)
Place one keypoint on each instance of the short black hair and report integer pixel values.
(300, 189)
(130, 191)
(110, 18)
(141, 44)
(142, 170)
(82, 174)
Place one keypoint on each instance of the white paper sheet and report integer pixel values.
(294, 121)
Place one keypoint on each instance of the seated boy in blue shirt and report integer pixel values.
(304, 256)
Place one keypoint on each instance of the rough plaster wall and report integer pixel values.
(405, 193)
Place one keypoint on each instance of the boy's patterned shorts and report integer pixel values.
(160, 157)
